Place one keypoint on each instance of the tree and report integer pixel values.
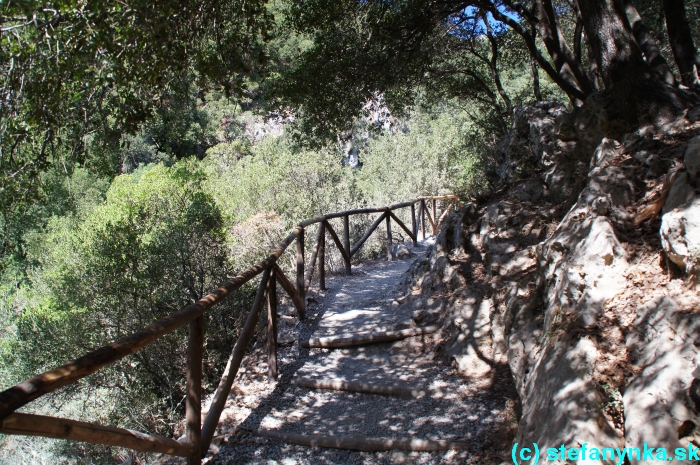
(681, 40)
(77, 70)
(633, 85)
(360, 48)
(652, 53)
(154, 245)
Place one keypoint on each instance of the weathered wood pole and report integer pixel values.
(355, 386)
(301, 289)
(361, 442)
(288, 286)
(338, 243)
(60, 428)
(389, 244)
(422, 216)
(308, 276)
(272, 325)
(414, 226)
(21, 394)
(322, 256)
(360, 241)
(234, 363)
(346, 239)
(193, 402)
(435, 215)
(366, 338)
(401, 225)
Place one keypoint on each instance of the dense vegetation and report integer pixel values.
(102, 257)
(148, 151)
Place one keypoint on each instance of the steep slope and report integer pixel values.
(571, 279)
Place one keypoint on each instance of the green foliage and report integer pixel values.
(72, 69)
(153, 246)
(264, 190)
(432, 157)
(354, 52)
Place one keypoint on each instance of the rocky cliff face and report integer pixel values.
(581, 279)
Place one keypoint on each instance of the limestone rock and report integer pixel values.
(694, 114)
(529, 191)
(581, 266)
(691, 159)
(530, 141)
(657, 166)
(402, 251)
(660, 405)
(681, 193)
(680, 235)
(471, 345)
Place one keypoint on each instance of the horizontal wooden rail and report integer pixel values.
(60, 428)
(21, 394)
(360, 442)
(438, 197)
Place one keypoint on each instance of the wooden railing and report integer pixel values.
(199, 436)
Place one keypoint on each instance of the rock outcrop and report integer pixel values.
(561, 279)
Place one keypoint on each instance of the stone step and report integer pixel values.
(356, 386)
(349, 340)
(363, 443)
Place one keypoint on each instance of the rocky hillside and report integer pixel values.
(581, 277)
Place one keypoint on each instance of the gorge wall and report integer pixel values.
(581, 278)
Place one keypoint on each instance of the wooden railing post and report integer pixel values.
(234, 363)
(346, 239)
(301, 288)
(375, 225)
(414, 227)
(322, 256)
(422, 216)
(308, 276)
(389, 244)
(193, 402)
(272, 325)
(435, 215)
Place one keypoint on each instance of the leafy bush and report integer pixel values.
(155, 245)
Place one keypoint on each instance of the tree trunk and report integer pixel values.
(571, 90)
(578, 35)
(681, 40)
(535, 80)
(647, 43)
(564, 59)
(493, 64)
(547, 29)
(630, 81)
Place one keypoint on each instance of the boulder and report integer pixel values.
(681, 193)
(528, 191)
(402, 251)
(660, 401)
(691, 158)
(680, 235)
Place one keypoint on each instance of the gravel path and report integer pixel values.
(361, 302)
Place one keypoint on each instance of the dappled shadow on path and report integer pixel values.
(457, 411)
